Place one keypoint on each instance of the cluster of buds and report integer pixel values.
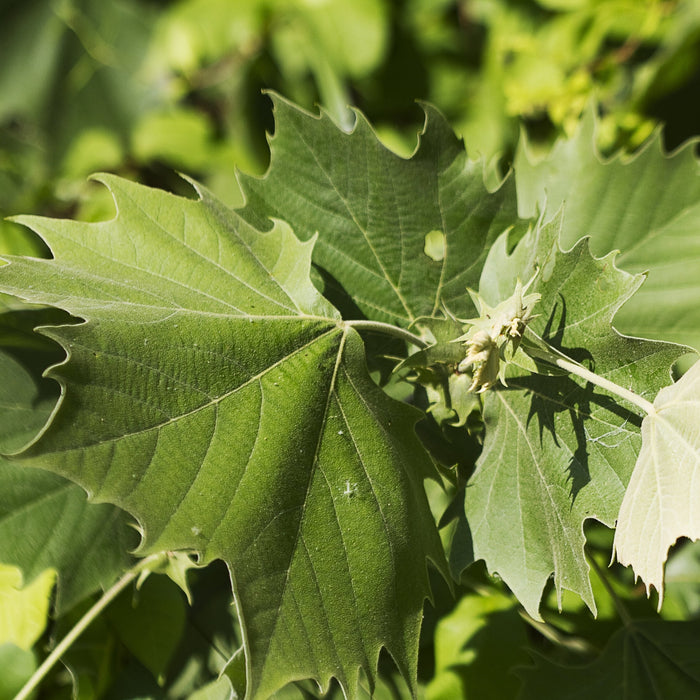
(494, 337)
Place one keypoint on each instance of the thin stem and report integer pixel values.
(619, 606)
(107, 597)
(593, 378)
(556, 636)
(604, 383)
(388, 329)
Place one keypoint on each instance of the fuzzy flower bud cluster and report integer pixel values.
(494, 337)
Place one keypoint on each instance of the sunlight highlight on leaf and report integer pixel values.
(662, 502)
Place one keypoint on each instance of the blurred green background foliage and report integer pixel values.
(145, 88)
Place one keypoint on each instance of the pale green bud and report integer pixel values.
(494, 337)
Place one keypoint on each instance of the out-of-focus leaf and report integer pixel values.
(16, 668)
(150, 622)
(476, 648)
(26, 84)
(682, 582)
(181, 137)
(219, 689)
(646, 660)
(611, 202)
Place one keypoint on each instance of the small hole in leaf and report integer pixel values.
(435, 245)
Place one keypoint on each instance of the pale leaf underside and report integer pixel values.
(661, 502)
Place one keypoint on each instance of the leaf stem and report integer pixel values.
(619, 606)
(593, 378)
(107, 597)
(388, 329)
(576, 644)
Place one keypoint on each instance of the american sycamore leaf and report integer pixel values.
(645, 660)
(214, 394)
(45, 520)
(647, 206)
(400, 236)
(557, 450)
(661, 502)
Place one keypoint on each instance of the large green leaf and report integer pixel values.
(558, 451)
(214, 394)
(661, 502)
(377, 215)
(647, 206)
(646, 660)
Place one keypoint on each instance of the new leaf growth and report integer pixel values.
(493, 338)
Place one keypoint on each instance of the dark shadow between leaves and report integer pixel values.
(381, 349)
(560, 393)
(551, 394)
(460, 553)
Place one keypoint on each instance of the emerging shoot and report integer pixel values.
(493, 338)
